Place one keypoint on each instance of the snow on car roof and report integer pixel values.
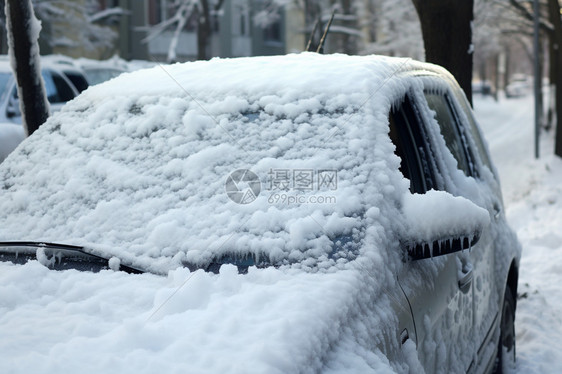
(144, 167)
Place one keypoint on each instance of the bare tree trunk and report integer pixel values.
(483, 72)
(23, 32)
(552, 81)
(496, 70)
(540, 99)
(506, 69)
(203, 31)
(349, 43)
(447, 37)
(556, 60)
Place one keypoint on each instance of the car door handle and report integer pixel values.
(465, 277)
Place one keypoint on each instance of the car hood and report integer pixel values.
(267, 321)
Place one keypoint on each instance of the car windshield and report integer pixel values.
(217, 197)
(160, 179)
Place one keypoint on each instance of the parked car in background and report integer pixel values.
(62, 83)
(58, 87)
(99, 74)
(64, 78)
(334, 213)
(482, 87)
(76, 76)
(519, 85)
(89, 72)
(141, 64)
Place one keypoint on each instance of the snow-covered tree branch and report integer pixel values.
(82, 18)
(182, 14)
(76, 24)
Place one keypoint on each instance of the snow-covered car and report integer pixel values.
(519, 85)
(312, 214)
(482, 87)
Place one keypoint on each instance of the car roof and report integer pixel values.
(274, 72)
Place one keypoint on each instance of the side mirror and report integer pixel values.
(438, 223)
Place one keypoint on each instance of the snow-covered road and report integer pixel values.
(533, 197)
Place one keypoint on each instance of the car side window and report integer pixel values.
(449, 129)
(77, 79)
(411, 146)
(56, 88)
(473, 128)
(64, 91)
(50, 88)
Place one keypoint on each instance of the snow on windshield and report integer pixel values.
(167, 167)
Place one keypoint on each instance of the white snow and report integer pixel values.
(111, 321)
(427, 216)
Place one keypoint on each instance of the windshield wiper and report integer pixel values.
(60, 256)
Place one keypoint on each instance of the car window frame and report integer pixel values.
(418, 137)
(60, 81)
(457, 128)
(77, 79)
(462, 106)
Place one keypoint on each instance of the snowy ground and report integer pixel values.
(532, 195)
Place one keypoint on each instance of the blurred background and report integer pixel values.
(182, 30)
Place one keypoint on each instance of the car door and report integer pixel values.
(461, 140)
(438, 289)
